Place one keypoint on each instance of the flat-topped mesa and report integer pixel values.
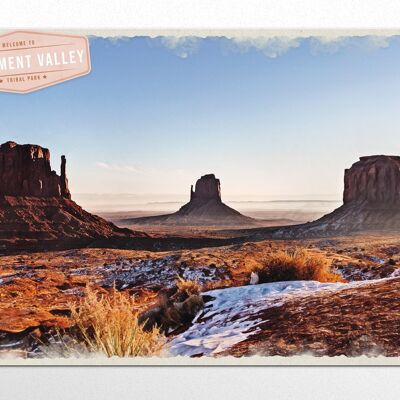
(371, 202)
(207, 188)
(37, 212)
(25, 170)
(373, 179)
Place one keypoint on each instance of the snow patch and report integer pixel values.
(231, 316)
(161, 272)
(395, 273)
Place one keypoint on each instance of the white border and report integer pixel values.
(194, 383)
(200, 14)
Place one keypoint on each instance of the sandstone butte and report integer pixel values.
(371, 202)
(36, 209)
(204, 208)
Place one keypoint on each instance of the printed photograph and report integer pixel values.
(204, 198)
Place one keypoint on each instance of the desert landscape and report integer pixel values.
(207, 200)
(204, 281)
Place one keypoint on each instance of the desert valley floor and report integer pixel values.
(358, 314)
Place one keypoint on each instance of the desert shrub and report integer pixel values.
(108, 323)
(175, 308)
(187, 287)
(295, 265)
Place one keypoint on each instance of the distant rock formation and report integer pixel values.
(36, 210)
(25, 171)
(371, 202)
(205, 208)
(373, 179)
(207, 188)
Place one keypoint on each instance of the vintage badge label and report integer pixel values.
(32, 60)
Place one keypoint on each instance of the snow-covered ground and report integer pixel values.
(149, 272)
(231, 316)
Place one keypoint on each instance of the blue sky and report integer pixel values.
(270, 117)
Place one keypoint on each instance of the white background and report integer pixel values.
(204, 383)
(200, 13)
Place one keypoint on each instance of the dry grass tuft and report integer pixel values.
(108, 323)
(220, 284)
(295, 265)
(188, 287)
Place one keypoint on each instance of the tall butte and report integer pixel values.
(371, 201)
(205, 208)
(36, 210)
(25, 171)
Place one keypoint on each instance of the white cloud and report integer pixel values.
(334, 44)
(271, 47)
(277, 46)
(143, 171)
(118, 40)
(378, 41)
(183, 46)
(117, 178)
(118, 167)
(103, 165)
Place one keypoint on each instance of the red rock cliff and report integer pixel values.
(373, 179)
(25, 171)
(371, 202)
(207, 188)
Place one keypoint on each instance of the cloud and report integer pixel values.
(118, 40)
(332, 45)
(118, 167)
(143, 171)
(103, 165)
(272, 47)
(277, 46)
(183, 46)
